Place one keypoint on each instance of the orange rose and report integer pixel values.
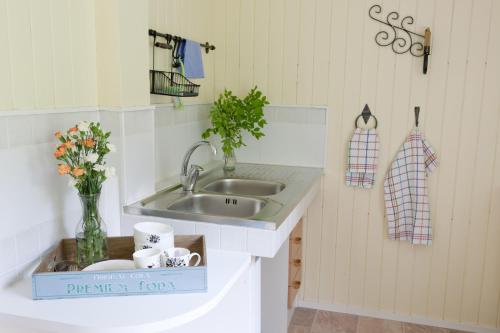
(72, 130)
(77, 172)
(57, 134)
(63, 169)
(69, 144)
(89, 143)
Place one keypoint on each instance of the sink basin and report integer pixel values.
(245, 187)
(219, 205)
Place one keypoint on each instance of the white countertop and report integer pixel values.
(137, 314)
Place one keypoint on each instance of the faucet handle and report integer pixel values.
(195, 167)
(191, 177)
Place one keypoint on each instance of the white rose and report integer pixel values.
(109, 172)
(111, 147)
(99, 167)
(83, 126)
(92, 158)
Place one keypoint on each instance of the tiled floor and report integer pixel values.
(318, 321)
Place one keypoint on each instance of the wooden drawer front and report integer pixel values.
(295, 270)
(294, 263)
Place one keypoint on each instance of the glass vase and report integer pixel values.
(91, 233)
(229, 161)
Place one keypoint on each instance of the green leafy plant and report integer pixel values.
(231, 115)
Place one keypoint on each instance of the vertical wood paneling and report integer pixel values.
(232, 44)
(261, 44)
(247, 14)
(219, 39)
(275, 64)
(433, 125)
(43, 69)
(488, 158)
(63, 63)
(448, 171)
(322, 52)
(21, 53)
(290, 48)
(306, 44)
(403, 114)
(6, 101)
(313, 254)
(334, 170)
(388, 83)
(361, 213)
(83, 32)
(425, 17)
(473, 230)
(354, 28)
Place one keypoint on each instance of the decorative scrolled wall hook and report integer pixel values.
(397, 35)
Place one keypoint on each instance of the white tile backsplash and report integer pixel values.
(293, 136)
(42, 209)
(4, 142)
(8, 254)
(27, 245)
(20, 131)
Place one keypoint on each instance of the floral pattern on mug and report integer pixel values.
(152, 238)
(175, 262)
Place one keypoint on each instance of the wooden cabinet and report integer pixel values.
(294, 263)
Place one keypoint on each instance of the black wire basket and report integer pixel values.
(171, 84)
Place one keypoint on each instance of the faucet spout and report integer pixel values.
(185, 163)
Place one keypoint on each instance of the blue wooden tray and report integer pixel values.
(56, 285)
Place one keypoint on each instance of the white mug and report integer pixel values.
(153, 235)
(179, 256)
(147, 258)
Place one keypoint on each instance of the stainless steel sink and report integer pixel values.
(219, 205)
(254, 195)
(245, 187)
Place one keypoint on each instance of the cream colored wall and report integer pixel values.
(321, 52)
(68, 53)
(122, 53)
(47, 57)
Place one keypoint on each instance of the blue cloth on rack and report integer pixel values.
(190, 52)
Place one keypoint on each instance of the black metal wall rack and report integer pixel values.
(172, 38)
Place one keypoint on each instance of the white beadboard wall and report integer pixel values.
(322, 52)
(48, 56)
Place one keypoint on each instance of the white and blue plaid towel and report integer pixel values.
(405, 191)
(362, 158)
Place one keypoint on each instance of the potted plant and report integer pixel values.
(230, 116)
(81, 152)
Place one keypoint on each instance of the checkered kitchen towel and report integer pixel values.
(405, 191)
(362, 158)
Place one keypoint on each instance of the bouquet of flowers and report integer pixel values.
(81, 152)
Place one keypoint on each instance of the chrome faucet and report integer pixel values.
(188, 179)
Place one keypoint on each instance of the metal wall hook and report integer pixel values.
(417, 114)
(399, 37)
(366, 114)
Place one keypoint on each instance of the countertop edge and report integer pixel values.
(26, 322)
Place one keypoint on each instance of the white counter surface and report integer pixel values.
(153, 313)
